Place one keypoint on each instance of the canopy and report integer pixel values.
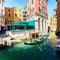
(24, 23)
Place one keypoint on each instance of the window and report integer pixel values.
(24, 19)
(39, 10)
(9, 10)
(20, 15)
(39, 23)
(1, 10)
(51, 19)
(32, 1)
(39, 2)
(28, 8)
(24, 12)
(43, 5)
(33, 10)
(46, 14)
(28, 2)
(42, 24)
(15, 14)
(9, 22)
(24, 15)
(9, 15)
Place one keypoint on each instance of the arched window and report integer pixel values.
(39, 10)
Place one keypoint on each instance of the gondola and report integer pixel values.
(36, 41)
(29, 43)
(32, 43)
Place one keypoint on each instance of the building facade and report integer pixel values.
(38, 10)
(58, 19)
(2, 14)
(53, 22)
(13, 15)
(24, 15)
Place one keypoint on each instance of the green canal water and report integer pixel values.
(41, 51)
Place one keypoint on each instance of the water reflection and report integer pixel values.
(27, 52)
(40, 51)
(53, 38)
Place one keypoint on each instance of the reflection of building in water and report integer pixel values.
(53, 38)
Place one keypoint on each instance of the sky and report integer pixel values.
(21, 3)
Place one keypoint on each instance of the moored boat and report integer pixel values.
(29, 43)
(36, 41)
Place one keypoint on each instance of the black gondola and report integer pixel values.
(36, 41)
(29, 43)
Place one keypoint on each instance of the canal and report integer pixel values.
(41, 51)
